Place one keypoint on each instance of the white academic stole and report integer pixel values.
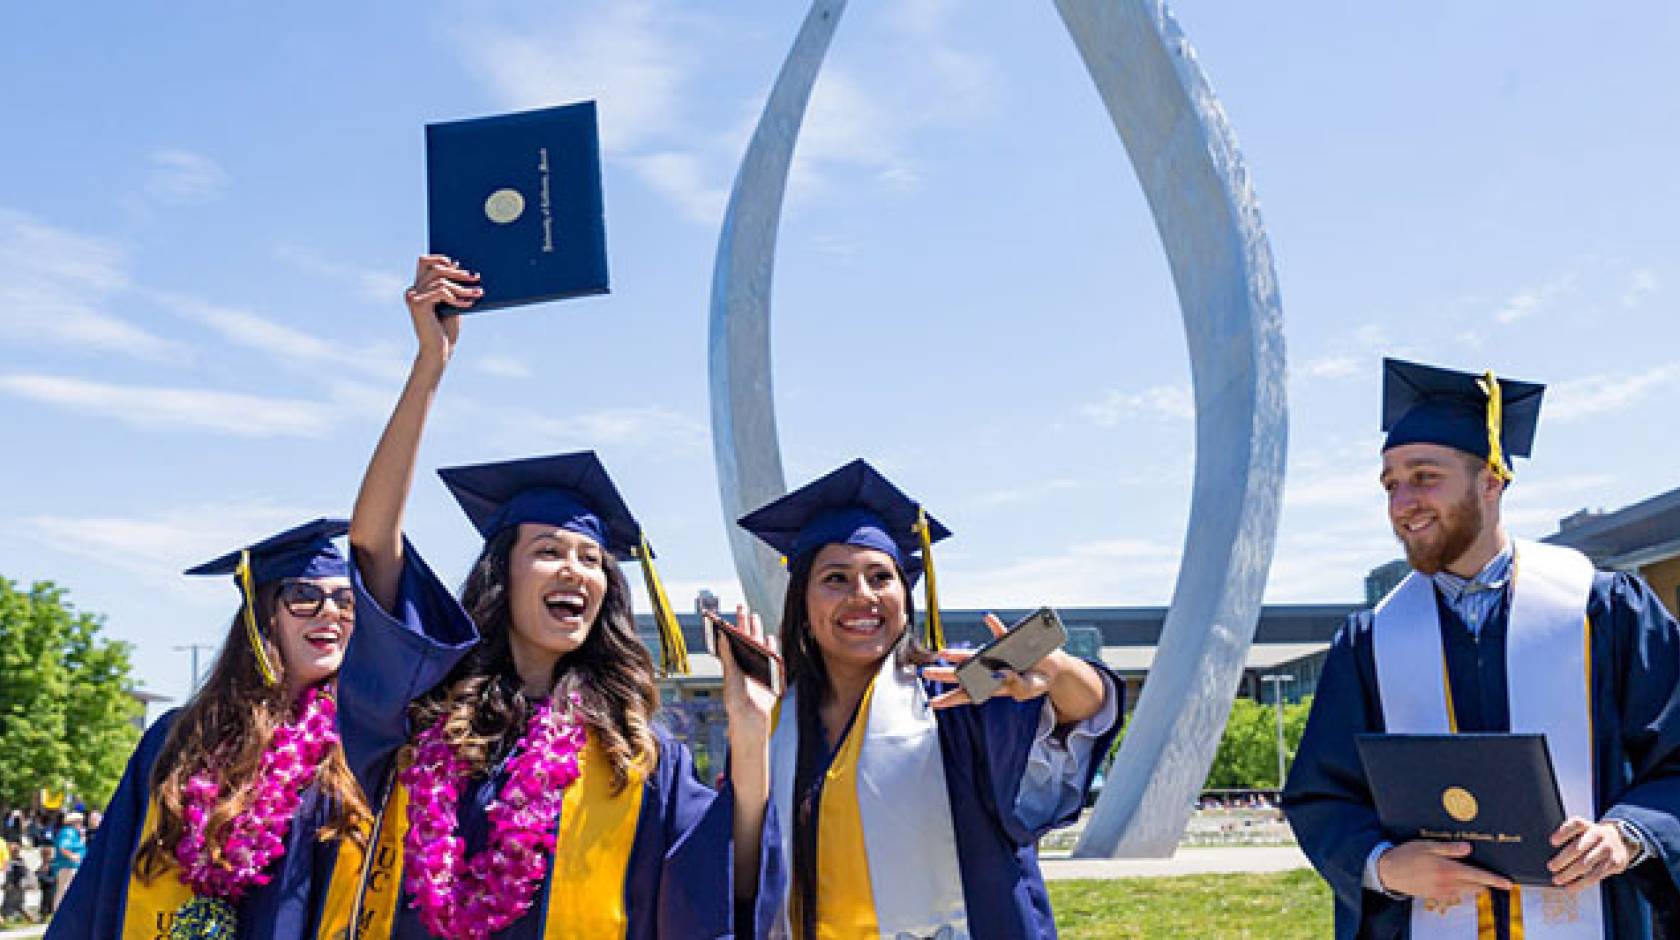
(1549, 691)
(884, 794)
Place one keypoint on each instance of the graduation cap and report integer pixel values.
(572, 492)
(1481, 415)
(855, 505)
(304, 551)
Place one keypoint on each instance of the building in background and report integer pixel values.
(1643, 538)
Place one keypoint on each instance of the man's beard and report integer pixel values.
(1460, 525)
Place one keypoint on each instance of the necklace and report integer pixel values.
(461, 898)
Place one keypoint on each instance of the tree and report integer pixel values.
(1247, 755)
(66, 715)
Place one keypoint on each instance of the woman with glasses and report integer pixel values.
(232, 805)
(528, 790)
(910, 811)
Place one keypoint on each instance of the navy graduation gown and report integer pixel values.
(1636, 725)
(680, 879)
(287, 908)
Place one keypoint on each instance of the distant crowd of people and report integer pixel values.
(57, 840)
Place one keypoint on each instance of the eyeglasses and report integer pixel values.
(306, 598)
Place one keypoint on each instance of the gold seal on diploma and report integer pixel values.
(1460, 803)
(504, 206)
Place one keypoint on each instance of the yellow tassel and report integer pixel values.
(673, 652)
(252, 632)
(1495, 419)
(935, 630)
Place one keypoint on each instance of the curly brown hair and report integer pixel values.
(611, 674)
(225, 728)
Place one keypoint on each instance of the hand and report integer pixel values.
(748, 702)
(1429, 871)
(439, 281)
(1588, 853)
(1020, 686)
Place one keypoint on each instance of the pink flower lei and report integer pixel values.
(462, 898)
(257, 836)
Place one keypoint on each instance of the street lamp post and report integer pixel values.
(195, 647)
(1277, 679)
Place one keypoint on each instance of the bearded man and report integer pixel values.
(1491, 634)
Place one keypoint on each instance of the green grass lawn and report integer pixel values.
(1280, 906)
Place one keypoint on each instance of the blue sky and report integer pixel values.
(208, 217)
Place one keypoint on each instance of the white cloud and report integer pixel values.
(507, 367)
(153, 407)
(1602, 394)
(1642, 283)
(370, 284)
(181, 176)
(625, 54)
(1027, 492)
(846, 126)
(1530, 300)
(1334, 367)
(682, 177)
(644, 426)
(160, 544)
(1161, 401)
(285, 344)
(58, 288)
(1103, 572)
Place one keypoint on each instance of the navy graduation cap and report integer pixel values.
(572, 492)
(1482, 415)
(855, 505)
(304, 551)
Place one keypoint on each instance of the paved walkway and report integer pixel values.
(1195, 861)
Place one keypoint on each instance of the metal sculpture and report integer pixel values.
(1199, 192)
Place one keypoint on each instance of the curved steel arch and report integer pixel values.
(1199, 192)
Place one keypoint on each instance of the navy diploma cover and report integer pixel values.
(1495, 791)
(517, 198)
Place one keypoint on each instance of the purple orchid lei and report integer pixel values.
(462, 898)
(258, 835)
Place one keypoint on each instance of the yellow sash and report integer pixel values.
(585, 892)
(149, 909)
(847, 909)
(151, 906)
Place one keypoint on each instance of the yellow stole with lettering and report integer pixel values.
(149, 909)
(1549, 687)
(585, 891)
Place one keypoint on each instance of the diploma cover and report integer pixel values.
(517, 199)
(1496, 792)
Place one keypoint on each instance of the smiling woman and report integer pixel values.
(525, 789)
(232, 805)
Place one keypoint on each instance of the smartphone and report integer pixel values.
(1027, 641)
(756, 659)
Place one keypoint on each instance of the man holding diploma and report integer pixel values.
(1491, 634)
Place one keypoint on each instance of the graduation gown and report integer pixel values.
(985, 751)
(678, 879)
(105, 901)
(1636, 744)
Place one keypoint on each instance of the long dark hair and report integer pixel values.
(225, 729)
(808, 673)
(611, 673)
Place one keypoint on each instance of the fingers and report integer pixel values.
(1448, 849)
(1022, 686)
(945, 675)
(1478, 877)
(1572, 827)
(950, 699)
(726, 656)
(995, 625)
(956, 656)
